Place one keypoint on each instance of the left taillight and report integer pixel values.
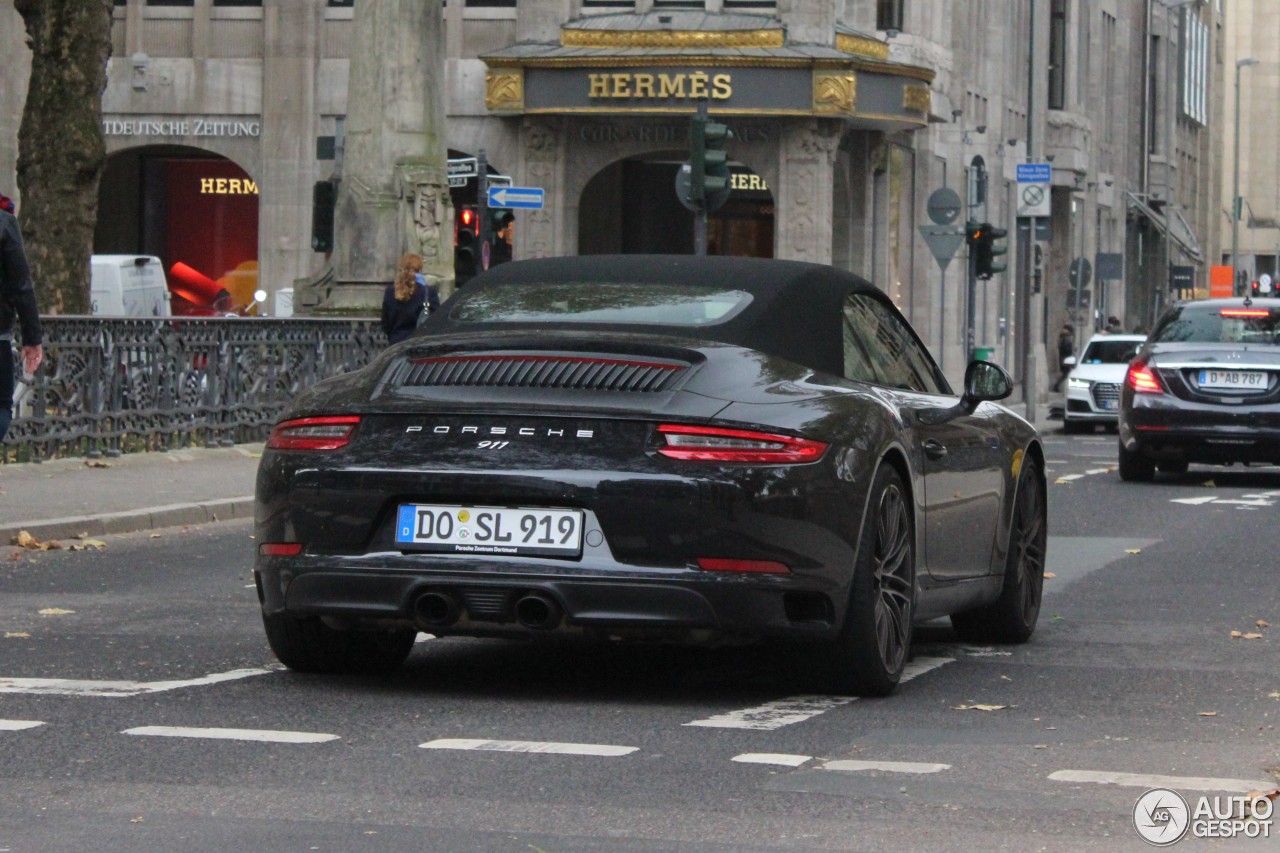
(324, 433)
(1143, 380)
(718, 444)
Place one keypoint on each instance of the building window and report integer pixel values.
(1195, 67)
(611, 5)
(237, 2)
(678, 4)
(343, 3)
(889, 14)
(170, 2)
(491, 4)
(1058, 55)
(750, 5)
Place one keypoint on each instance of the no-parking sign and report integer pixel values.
(1034, 180)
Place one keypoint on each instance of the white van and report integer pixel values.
(128, 286)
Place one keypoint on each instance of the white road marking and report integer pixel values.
(1068, 477)
(797, 709)
(1145, 780)
(1098, 471)
(1193, 501)
(74, 687)
(887, 766)
(772, 758)
(18, 725)
(599, 749)
(262, 735)
(843, 765)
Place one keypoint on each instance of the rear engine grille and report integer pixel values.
(486, 604)
(587, 373)
(1104, 392)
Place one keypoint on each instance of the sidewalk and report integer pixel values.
(64, 498)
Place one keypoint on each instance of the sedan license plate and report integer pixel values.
(1234, 380)
(490, 530)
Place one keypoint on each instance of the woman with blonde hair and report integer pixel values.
(406, 298)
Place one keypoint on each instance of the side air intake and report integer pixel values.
(579, 372)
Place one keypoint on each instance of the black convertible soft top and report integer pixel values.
(794, 313)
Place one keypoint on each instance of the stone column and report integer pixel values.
(394, 191)
(536, 233)
(805, 191)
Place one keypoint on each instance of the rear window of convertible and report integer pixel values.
(597, 302)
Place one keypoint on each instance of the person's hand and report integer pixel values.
(31, 358)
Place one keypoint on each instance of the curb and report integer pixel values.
(129, 521)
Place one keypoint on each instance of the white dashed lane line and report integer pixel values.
(1145, 780)
(596, 749)
(18, 725)
(259, 735)
(80, 687)
(797, 709)
(841, 765)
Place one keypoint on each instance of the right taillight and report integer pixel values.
(1143, 380)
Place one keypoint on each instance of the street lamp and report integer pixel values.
(1235, 185)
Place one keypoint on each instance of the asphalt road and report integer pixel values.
(131, 677)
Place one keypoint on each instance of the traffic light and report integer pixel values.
(323, 196)
(465, 231)
(709, 181)
(982, 237)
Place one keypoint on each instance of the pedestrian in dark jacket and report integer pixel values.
(17, 301)
(1066, 349)
(404, 301)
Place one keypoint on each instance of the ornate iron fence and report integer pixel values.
(111, 386)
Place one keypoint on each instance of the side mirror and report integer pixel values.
(1069, 361)
(985, 381)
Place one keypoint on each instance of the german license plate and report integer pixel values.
(1109, 405)
(490, 530)
(1234, 380)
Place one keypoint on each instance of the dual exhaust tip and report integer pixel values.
(438, 609)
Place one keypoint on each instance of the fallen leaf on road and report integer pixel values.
(1237, 635)
(1060, 481)
(1274, 694)
(1041, 746)
(1209, 484)
(54, 611)
(16, 635)
(1208, 713)
(24, 539)
(1263, 623)
(1005, 678)
(155, 536)
(1050, 575)
(15, 555)
(96, 463)
(1133, 550)
(135, 820)
(87, 545)
(979, 707)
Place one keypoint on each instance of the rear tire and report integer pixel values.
(1134, 467)
(868, 657)
(1013, 616)
(306, 644)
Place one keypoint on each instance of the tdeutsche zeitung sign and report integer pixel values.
(188, 126)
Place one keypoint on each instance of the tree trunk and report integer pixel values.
(61, 151)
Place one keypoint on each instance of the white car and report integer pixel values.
(1093, 385)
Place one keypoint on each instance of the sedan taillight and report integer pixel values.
(1143, 380)
(716, 444)
(324, 433)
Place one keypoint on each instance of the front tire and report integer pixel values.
(1134, 467)
(1013, 616)
(306, 644)
(868, 657)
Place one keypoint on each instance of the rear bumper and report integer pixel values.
(1198, 433)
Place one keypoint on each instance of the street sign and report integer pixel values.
(1081, 271)
(943, 241)
(1110, 266)
(1034, 197)
(944, 207)
(523, 197)
(462, 167)
(458, 181)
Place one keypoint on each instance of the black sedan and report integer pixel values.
(655, 448)
(1205, 388)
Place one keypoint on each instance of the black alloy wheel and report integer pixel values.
(1134, 467)
(1012, 617)
(306, 644)
(868, 657)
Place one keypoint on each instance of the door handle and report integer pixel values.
(935, 449)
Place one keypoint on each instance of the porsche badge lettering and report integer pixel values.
(549, 432)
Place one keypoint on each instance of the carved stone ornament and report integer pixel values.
(835, 93)
(540, 139)
(504, 90)
(820, 141)
(428, 213)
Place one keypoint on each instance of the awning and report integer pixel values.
(1175, 227)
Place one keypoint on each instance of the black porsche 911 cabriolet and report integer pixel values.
(653, 447)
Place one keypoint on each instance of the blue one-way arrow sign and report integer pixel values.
(530, 197)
